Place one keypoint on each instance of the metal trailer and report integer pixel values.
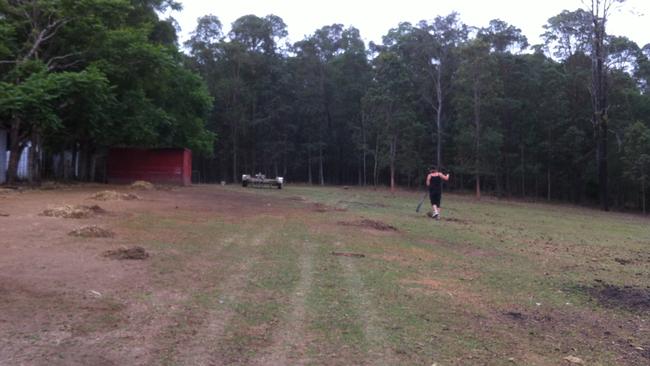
(260, 180)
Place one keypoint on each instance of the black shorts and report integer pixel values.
(435, 197)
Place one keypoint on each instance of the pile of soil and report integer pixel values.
(626, 297)
(144, 185)
(74, 212)
(113, 195)
(319, 207)
(127, 253)
(92, 231)
(371, 224)
(364, 204)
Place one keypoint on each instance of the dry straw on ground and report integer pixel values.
(113, 195)
(92, 231)
(73, 212)
(141, 184)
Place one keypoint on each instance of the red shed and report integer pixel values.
(166, 166)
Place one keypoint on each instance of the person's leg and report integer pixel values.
(436, 205)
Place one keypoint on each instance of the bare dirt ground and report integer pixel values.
(226, 276)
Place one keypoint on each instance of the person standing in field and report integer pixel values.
(434, 182)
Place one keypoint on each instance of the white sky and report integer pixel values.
(375, 18)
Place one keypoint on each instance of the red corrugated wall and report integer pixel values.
(163, 166)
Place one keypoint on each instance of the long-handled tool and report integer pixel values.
(417, 209)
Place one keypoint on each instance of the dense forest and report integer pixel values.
(565, 120)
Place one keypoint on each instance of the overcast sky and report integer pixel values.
(375, 18)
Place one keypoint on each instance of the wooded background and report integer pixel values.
(565, 120)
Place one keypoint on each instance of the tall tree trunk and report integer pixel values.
(643, 195)
(236, 120)
(548, 183)
(309, 164)
(393, 154)
(599, 95)
(477, 124)
(523, 172)
(360, 174)
(75, 161)
(375, 173)
(439, 117)
(34, 165)
(15, 148)
(235, 177)
(321, 177)
(363, 148)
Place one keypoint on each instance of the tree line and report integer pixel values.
(502, 115)
(563, 120)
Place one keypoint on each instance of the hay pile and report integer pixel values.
(113, 195)
(141, 184)
(319, 207)
(92, 231)
(127, 253)
(73, 212)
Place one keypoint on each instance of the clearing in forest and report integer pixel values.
(319, 276)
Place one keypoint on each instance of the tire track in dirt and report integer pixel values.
(290, 339)
(200, 348)
(378, 351)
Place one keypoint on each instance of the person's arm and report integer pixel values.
(445, 177)
(428, 179)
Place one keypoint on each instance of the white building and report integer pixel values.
(23, 168)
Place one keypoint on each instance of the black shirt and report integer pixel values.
(435, 184)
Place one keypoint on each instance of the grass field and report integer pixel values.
(329, 276)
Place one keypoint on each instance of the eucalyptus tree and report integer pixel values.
(600, 11)
(506, 42)
(429, 51)
(331, 71)
(391, 100)
(636, 157)
(248, 66)
(478, 87)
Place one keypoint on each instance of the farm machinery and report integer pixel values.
(259, 180)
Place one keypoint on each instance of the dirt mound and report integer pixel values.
(364, 204)
(319, 207)
(73, 212)
(371, 224)
(127, 253)
(141, 184)
(92, 231)
(113, 195)
(453, 219)
(626, 297)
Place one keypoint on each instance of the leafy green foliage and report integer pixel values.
(98, 73)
